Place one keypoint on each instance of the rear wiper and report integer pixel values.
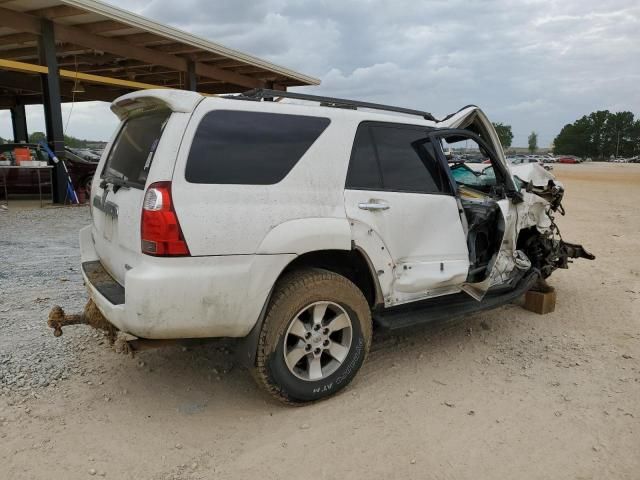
(116, 181)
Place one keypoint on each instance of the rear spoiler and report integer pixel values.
(175, 100)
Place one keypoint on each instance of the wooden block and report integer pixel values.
(540, 302)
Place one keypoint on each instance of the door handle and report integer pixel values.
(373, 205)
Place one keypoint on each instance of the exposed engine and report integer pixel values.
(548, 251)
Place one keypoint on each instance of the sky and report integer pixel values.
(535, 65)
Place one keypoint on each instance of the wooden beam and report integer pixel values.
(113, 66)
(103, 26)
(87, 59)
(142, 38)
(216, 73)
(227, 63)
(19, 21)
(249, 69)
(177, 48)
(71, 75)
(87, 77)
(32, 52)
(18, 38)
(59, 11)
(30, 83)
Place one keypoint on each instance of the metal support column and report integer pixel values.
(52, 105)
(19, 122)
(192, 79)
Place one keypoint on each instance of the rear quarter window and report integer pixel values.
(250, 148)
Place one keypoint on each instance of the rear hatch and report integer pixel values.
(143, 151)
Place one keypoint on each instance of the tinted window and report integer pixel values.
(249, 147)
(364, 172)
(132, 152)
(407, 159)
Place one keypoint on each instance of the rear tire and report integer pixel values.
(315, 336)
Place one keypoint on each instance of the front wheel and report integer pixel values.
(315, 336)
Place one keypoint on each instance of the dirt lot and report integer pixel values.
(505, 394)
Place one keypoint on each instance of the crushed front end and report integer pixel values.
(539, 236)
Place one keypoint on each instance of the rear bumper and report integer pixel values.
(186, 297)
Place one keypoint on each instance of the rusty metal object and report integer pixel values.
(90, 316)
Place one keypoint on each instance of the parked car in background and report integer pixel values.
(567, 159)
(523, 160)
(25, 181)
(85, 153)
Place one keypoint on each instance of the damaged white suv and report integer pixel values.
(299, 225)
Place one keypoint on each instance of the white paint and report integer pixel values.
(189, 297)
(304, 235)
(420, 232)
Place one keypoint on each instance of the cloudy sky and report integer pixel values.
(535, 65)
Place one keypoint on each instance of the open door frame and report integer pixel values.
(477, 290)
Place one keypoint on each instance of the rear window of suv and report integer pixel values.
(130, 157)
(249, 148)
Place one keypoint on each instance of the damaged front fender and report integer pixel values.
(539, 236)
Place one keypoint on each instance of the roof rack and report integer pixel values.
(258, 94)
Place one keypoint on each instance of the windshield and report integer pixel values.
(479, 179)
(130, 157)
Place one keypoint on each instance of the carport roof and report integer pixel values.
(95, 38)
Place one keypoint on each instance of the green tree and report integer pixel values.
(35, 137)
(600, 135)
(619, 134)
(504, 133)
(533, 142)
(69, 141)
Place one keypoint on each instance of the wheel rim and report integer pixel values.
(318, 341)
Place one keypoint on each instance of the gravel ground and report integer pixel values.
(503, 394)
(40, 269)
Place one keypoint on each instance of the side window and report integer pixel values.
(364, 172)
(250, 148)
(407, 160)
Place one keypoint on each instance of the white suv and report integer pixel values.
(301, 226)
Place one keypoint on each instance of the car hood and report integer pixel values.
(534, 174)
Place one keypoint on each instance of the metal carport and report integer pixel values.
(99, 52)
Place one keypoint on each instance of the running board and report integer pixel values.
(449, 306)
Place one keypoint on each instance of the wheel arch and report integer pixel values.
(354, 264)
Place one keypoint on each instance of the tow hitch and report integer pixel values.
(93, 317)
(89, 316)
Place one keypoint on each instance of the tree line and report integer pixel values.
(69, 141)
(599, 135)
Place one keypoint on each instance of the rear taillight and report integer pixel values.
(160, 230)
